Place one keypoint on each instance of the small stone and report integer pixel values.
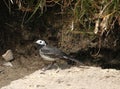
(68, 84)
(8, 56)
(1, 71)
(37, 85)
(8, 64)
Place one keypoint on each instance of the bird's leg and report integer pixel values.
(49, 66)
(58, 68)
(56, 64)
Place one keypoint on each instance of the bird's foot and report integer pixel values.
(46, 68)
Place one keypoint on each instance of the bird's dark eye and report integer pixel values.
(40, 41)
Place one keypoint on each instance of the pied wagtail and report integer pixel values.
(52, 54)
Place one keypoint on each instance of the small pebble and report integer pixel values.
(8, 64)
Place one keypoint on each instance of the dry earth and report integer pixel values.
(71, 78)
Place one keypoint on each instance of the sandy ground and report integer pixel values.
(71, 78)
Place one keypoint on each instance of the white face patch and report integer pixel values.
(40, 42)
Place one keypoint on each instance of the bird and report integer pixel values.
(52, 54)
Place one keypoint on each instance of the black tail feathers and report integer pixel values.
(73, 59)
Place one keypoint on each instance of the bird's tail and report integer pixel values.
(74, 60)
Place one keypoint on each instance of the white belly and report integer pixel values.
(47, 58)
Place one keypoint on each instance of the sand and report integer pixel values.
(71, 78)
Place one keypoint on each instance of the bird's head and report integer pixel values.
(41, 42)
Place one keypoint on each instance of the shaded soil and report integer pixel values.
(21, 67)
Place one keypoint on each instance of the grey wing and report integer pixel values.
(53, 52)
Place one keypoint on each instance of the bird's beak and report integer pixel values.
(35, 42)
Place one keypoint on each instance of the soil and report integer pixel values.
(77, 78)
(21, 67)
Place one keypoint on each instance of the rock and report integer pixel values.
(8, 64)
(8, 56)
(1, 71)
